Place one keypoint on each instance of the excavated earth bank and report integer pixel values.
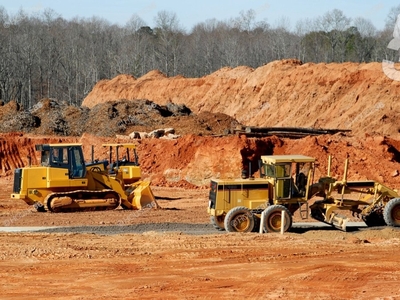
(151, 264)
(281, 93)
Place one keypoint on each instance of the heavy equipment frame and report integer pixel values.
(286, 183)
(64, 182)
(126, 162)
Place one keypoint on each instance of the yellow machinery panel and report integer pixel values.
(241, 192)
(131, 174)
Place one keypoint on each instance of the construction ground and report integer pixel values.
(173, 252)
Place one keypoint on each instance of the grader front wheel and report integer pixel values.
(391, 213)
(239, 219)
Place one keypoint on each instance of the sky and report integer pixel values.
(190, 13)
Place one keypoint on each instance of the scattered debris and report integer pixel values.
(285, 132)
(167, 133)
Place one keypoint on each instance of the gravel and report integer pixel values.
(195, 229)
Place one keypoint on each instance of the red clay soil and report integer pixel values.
(281, 93)
(315, 264)
(191, 161)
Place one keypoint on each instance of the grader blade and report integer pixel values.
(324, 211)
(338, 221)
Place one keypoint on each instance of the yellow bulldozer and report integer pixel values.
(286, 184)
(64, 182)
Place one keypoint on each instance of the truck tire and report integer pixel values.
(391, 212)
(218, 222)
(239, 219)
(273, 218)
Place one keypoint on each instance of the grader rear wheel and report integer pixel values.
(239, 219)
(218, 222)
(273, 218)
(391, 213)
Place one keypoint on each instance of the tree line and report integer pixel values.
(45, 56)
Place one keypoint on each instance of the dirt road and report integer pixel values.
(311, 264)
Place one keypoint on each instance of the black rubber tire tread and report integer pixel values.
(271, 212)
(374, 219)
(231, 220)
(391, 211)
(257, 223)
(215, 224)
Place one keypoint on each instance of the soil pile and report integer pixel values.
(282, 93)
(53, 117)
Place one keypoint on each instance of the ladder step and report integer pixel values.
(303, 211)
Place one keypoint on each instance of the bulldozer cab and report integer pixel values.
(63, 156)
(290, 175)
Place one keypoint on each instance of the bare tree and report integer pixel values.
(44, 55)
(245, 21)
(392, 17)
(203, 51)
(137, 50)
(335, 24)
(168, 33)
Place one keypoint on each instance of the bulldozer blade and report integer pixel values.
(143, 196)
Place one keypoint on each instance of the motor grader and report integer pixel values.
(64, 182)
(286, 183)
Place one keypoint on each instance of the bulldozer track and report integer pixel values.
(79, 198)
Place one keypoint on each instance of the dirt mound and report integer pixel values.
(53, 117)
(282, 93)
(356, 96)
